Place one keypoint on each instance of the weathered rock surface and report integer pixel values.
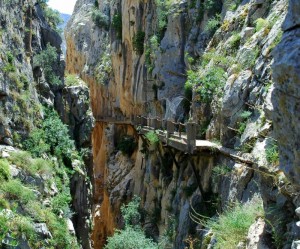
(121, 84)
(285, 99)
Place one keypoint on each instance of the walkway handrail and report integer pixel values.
(158, 123)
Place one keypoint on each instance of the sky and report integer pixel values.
(63, 6)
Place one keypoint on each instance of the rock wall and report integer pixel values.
(137, 57)
(25, 33)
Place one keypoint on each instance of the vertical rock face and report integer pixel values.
(25, 33)
(137, 59)
(285, 98)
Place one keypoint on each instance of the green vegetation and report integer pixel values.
(212, 83)
(53, 137)
(276, 41)
(100, 19)
(104, 68)
(151, 49)
(15, 190)
(9, 66)
(47, 60)
(221, 170)
(152, 137)
(213, 24)
(53, 18)
(243, 123)
(249, 58)
(72, 80)
(138, 42)
(117, 24)
(132, 235)
(23, 160)
(235, 41)
(22, 193)
(4, 170)
(233, 4)
(162, 10)
(208, 79)
(127, 145)
(272, 153)
(260, 24)
(232, 226)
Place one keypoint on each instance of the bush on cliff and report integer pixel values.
(132, 236)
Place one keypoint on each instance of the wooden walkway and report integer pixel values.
(180, 136)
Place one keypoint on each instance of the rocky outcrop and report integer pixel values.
(25, 87)
(137, 57)
(285, 97)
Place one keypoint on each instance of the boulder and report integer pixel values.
(255, 238)
(42, 230)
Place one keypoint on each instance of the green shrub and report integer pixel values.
(4, 204)
(138, 42)
(41, 166)
(61, 237)
(152, 138)
(4, 170)
(162, 10)
(235, 41)
(61, 202)
(10, 57)
(127, 145)
(117, 24)
(100, 19)
(53, 18)
(130, 212)
(36, 143)
(233, 5)
(272, 153)
(47, 59)
(104, 68)
(260, 24)
(151, 49)
(71, 80)
(213, 24)
(23, 227)
(192, 80)
(243, 124)
(53, 137)
(212, 83)
(132, 236)
(15, 190)
(9, 67)
(4, 226)
(232, 226)
(221, 170)
(21, 158)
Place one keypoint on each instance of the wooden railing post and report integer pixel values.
(170, 127)
(191, 136)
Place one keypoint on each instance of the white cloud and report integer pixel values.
(63, 6)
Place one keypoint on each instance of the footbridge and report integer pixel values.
(181, 136)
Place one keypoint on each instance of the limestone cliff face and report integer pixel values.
(285, 97)
(136, 57)
(24, 88)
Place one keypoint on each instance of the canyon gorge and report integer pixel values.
(187, 108)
